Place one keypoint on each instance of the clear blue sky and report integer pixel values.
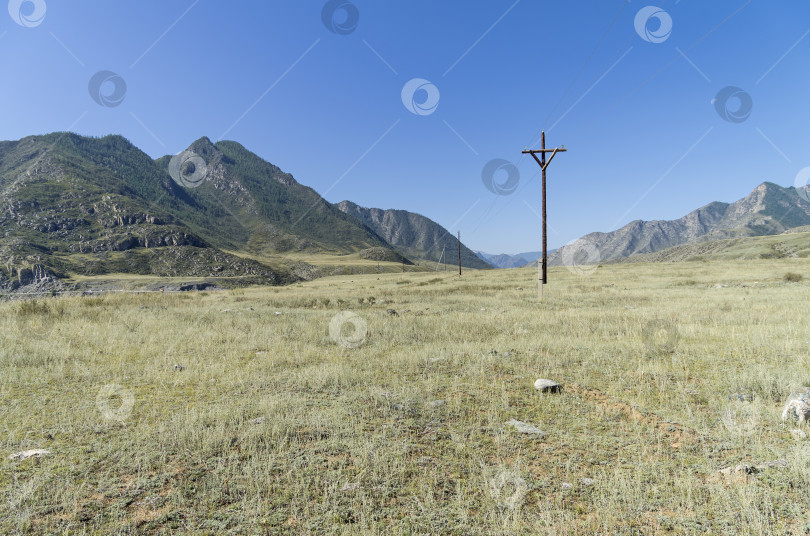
(644, 139)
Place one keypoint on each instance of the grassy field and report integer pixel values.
(330, 261)
(277, 411)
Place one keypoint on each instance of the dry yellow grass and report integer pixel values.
(272, 425)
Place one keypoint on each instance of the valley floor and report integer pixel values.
(274, 411)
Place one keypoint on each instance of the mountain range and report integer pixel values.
(769, 209)
(76, 207)
(505, 260)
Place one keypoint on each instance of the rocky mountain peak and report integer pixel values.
(207, 150)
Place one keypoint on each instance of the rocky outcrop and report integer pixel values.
(31, 278)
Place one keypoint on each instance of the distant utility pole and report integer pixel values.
(542, 276)
(459, 253)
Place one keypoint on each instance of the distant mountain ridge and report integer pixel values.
(505, 260)
(769, 209)
(415, 236)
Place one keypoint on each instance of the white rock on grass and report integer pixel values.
(526, 428)
(740, 469)
(547, 386)
(33, 453)
(745, 469)
(797, 407)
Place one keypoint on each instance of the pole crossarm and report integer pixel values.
(550, 158)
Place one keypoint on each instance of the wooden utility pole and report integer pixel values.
(543, 162)
(459, 253)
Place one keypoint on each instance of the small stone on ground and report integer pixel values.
(741, 469)
(745, 469)
(547, 386)
(33, 453)
(526, 428)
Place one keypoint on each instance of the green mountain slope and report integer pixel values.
(85, 206)
(246, 203)
(415, 236)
